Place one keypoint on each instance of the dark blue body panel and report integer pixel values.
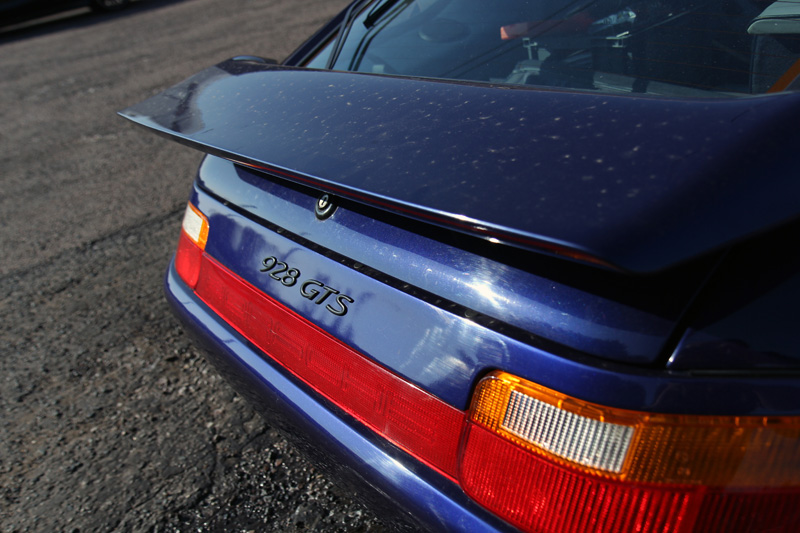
(639, 183)
(746, 318)
(629, 323)
(446, 354)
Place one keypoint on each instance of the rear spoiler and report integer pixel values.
(632, 183)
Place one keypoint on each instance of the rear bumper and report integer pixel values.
(385, 476)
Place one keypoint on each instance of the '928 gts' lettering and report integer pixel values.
(311, 289)
(318, 292)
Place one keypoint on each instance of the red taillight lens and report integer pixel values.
(187, 260)
(538, 495)
(191, 243)
(547, 462)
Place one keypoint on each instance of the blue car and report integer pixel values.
(512, 265)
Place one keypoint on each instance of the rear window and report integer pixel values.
(663, 47)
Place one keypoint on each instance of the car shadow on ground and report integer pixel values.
(73, 18)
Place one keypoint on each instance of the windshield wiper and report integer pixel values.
(379, 12)
(344, 28)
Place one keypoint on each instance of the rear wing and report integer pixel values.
(632, 183)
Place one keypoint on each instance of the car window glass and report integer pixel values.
(665, 47)
(320, 58)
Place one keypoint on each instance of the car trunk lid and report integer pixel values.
(638, 184)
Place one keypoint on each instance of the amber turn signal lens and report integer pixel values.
(192, 242)
(545, 462)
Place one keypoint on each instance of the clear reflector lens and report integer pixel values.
(583, 440)
(195, 225)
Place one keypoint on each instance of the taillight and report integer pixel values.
(547, 462)
(192, 242)
(539, 459)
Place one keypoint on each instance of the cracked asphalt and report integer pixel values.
(110, 420)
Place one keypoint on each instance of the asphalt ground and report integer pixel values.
(110, 420)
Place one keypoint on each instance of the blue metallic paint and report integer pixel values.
(385, 323)
(641, 183)
(608, 326)
(745, 319)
